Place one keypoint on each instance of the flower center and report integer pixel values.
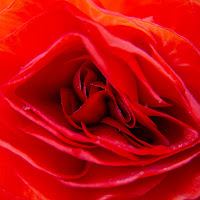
(91, 99)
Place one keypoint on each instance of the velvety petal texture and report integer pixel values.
(99, 100)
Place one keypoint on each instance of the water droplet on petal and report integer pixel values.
(25, 107)
(98, 142)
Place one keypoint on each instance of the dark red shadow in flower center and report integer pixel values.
(91, 98)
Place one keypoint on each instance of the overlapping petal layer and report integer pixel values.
(97, 110)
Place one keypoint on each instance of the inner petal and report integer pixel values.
(92, 110)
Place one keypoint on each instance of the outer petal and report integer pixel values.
(5, 4)
(135, 8)
(19, 43)
(14, 13)
(53, 189)
(181, 16)
(11, 186)
(180, 184)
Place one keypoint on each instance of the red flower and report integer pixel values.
(97, 104)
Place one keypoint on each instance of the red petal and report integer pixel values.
(11, 186)
(182, 183)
